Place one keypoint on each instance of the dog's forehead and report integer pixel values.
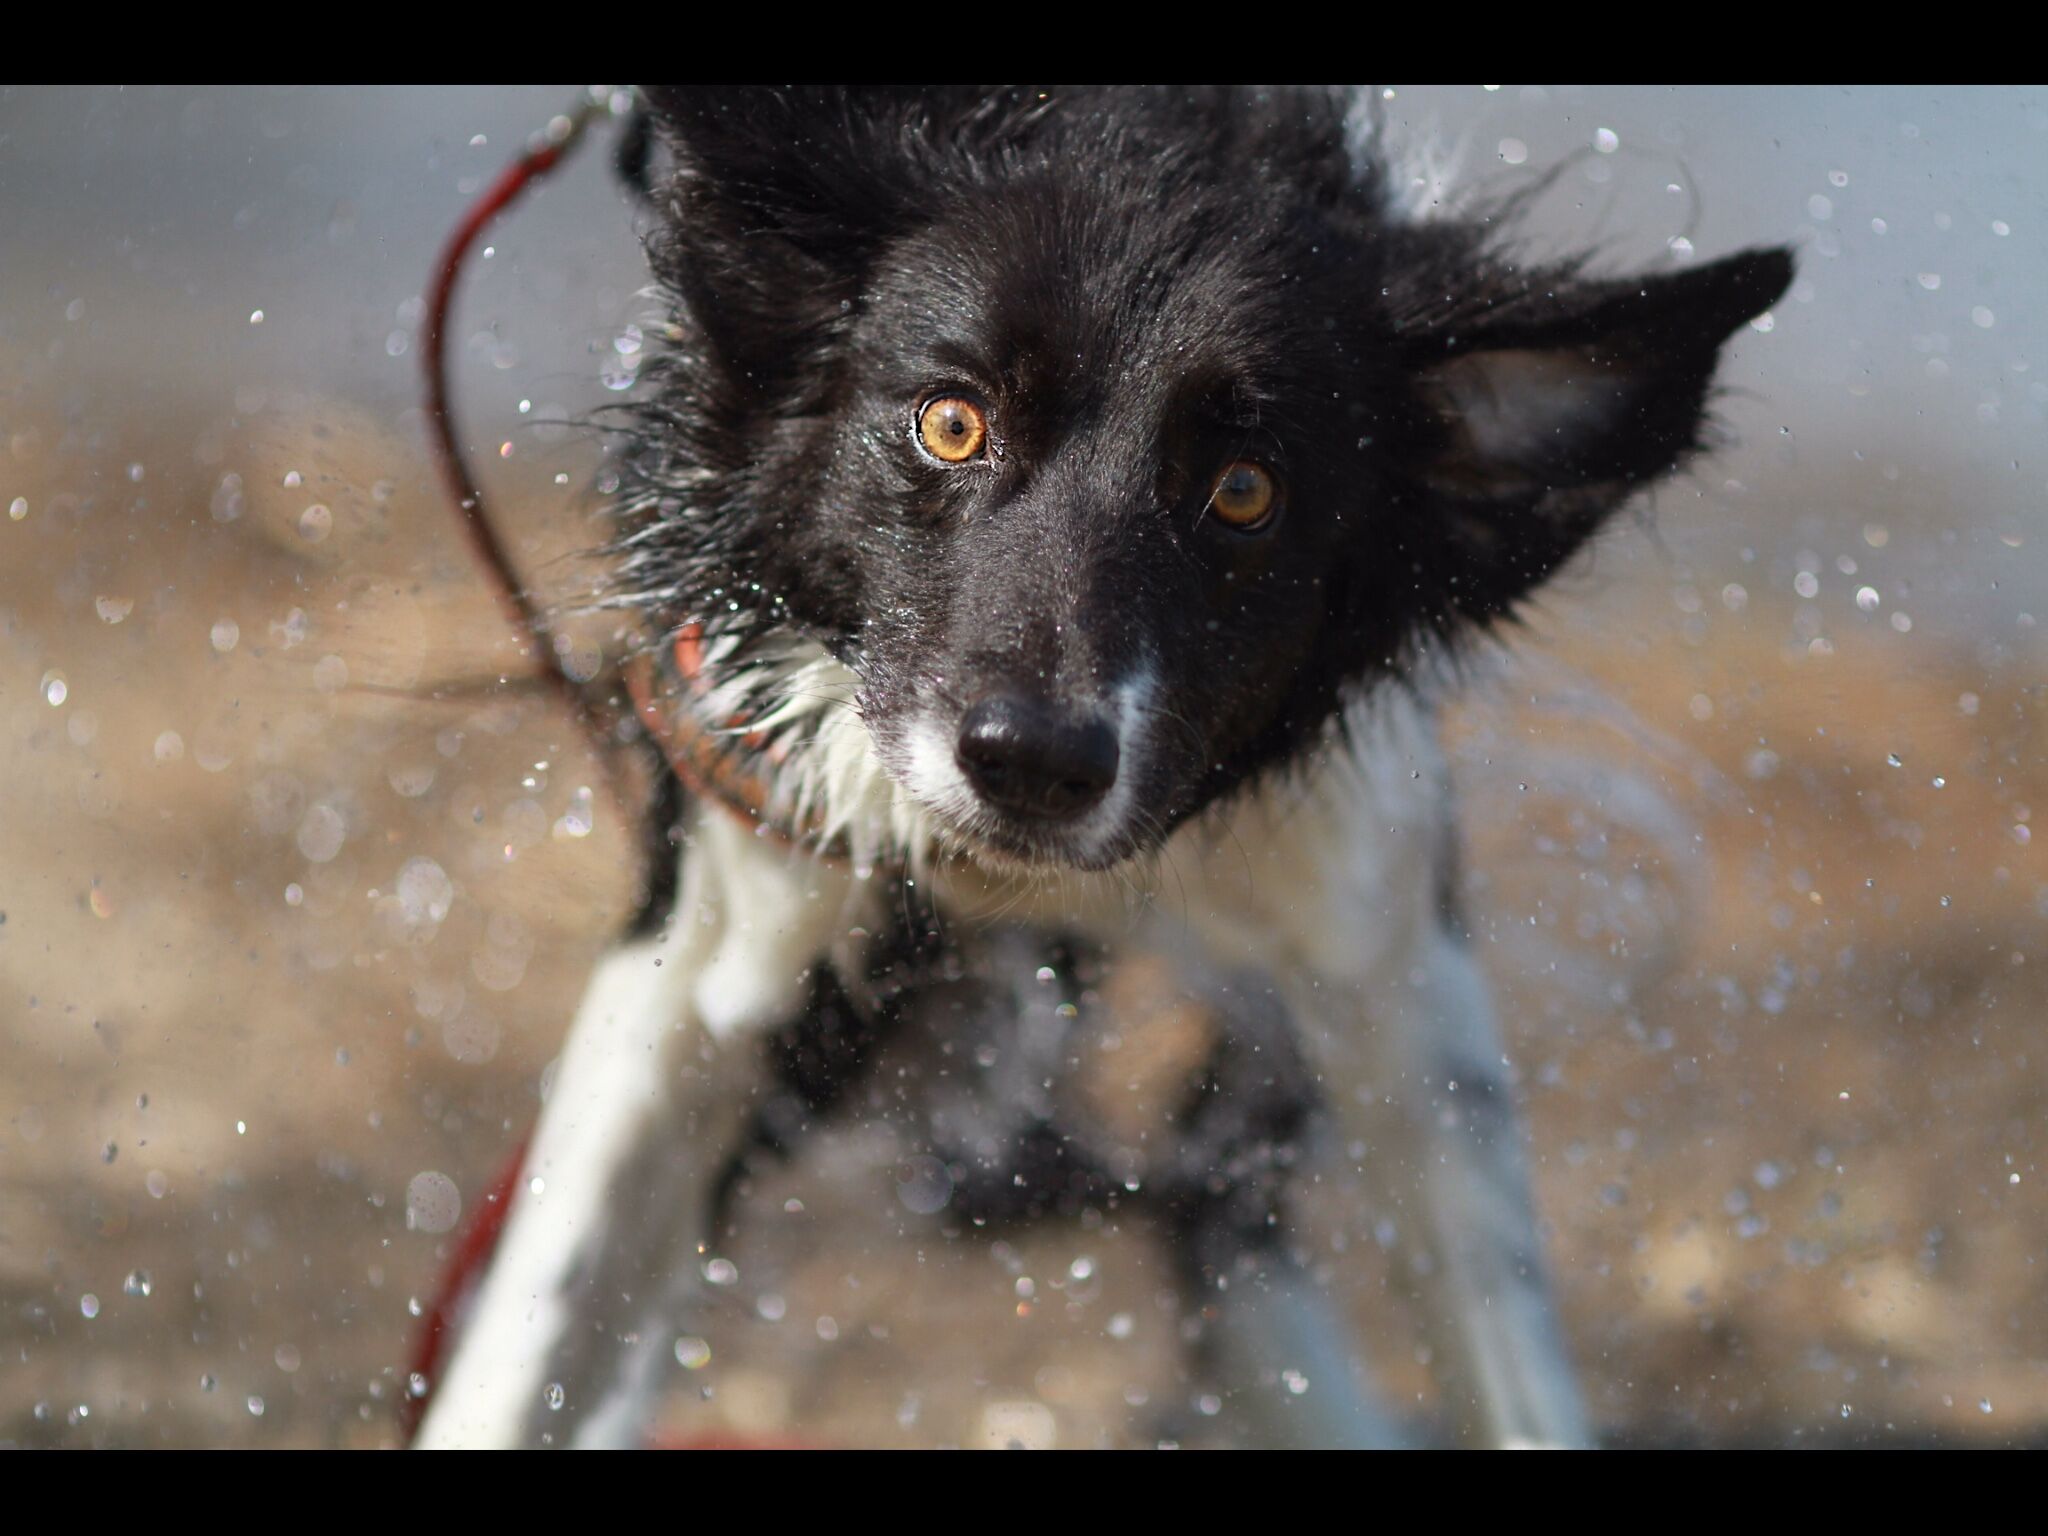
(1100, 284)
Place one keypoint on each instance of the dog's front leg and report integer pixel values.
(1339, 900)
(600, 1269)
(1443, 1150)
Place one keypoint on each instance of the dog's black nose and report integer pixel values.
(1025, 758)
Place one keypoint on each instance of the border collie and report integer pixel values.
(1053, 519)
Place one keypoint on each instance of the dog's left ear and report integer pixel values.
(827, 168)
(781, 196)
(1547, 406)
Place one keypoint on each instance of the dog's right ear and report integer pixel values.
(781, 197)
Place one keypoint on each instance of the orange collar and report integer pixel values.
(724, 764)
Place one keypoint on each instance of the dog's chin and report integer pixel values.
(1005, 847)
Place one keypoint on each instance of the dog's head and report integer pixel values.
(1107, 437)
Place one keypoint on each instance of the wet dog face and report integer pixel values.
(1108, 437)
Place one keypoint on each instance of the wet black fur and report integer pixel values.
(985, 1091)
(1140, 285)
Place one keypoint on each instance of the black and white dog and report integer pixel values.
(1055, 515)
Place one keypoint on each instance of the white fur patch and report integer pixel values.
(825, 766)
(606, 1095)
(750, 920)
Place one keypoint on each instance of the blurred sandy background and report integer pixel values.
(294, 905)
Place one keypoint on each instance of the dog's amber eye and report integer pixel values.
(952, 429)
(1245, 495)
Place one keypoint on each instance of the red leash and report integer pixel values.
(711, 764)
(480, 1238)
(554, 144)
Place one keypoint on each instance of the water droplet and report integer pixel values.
(227, 499)
(425, 893)
(322, 833)
(432, 1203)
(554, 1397)
(330, 674)
(924, 1185)
(581, 816)
(137, 1284)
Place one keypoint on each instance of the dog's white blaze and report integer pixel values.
(1109, 821)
